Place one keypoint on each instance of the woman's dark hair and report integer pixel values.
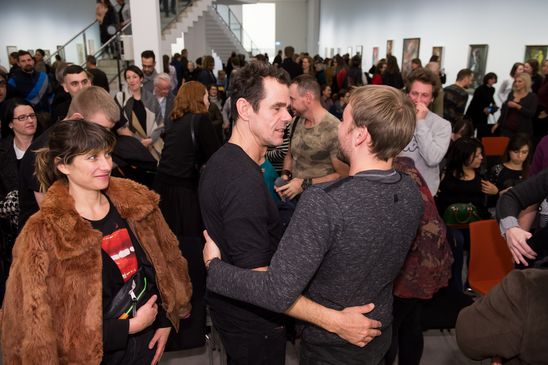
(134, 69)
(460, 155)
(534, 65)
(165, 63)
(515, 68)
(68, 139)
(464, 127)
(517, 141)
(378, 68)
(489, 76)
(392, 64)
(9, 112)
(417, 61)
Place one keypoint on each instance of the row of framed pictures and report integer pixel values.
(477, 55)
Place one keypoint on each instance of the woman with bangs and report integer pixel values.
(188, 145)
(77, 261)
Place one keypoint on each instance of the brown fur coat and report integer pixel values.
(52, 312)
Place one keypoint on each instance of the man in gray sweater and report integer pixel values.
(432, 134)
(348, 239)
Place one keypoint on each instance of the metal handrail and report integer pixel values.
(111, 40)
(239, 37)
(47, 60)
(174, 20)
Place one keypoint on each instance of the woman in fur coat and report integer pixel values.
(92, 234)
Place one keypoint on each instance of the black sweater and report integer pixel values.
(178, 159)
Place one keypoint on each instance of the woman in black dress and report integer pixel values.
(188, 144)
(483, 104)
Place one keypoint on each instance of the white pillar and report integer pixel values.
(146, 28)
(313, 26)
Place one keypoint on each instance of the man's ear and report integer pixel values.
(244, 108)
(75, 116)
(361, 135)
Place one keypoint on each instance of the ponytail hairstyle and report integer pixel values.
(68, 139)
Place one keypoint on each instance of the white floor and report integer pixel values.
(440, 348)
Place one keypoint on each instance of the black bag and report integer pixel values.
(198, 166)
(135, 292)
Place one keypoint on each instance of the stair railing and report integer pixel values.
(236, 27)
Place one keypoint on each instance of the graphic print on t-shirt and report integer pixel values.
(120, 249)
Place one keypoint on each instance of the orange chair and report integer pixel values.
(490, 258)
(494, 146)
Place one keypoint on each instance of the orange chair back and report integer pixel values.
(490, 258)
(494, 146)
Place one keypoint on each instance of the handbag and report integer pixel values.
(135, 292)
(198, 166)
(461, 213)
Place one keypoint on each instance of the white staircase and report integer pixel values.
(219, 37)
(182, 23)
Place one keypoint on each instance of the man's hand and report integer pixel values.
(421, 111)
(489, 188)
(291, 189)
(160, 340)
(354, 327)
(494, 128)
(516, 240)
(211, 250)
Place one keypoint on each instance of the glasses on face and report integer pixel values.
(24, 117)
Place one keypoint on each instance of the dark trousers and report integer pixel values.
(407, 340)
(258, 348)
(372, 354)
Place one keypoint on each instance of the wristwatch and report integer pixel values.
(306, 183)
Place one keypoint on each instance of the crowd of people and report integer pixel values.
(329, 194)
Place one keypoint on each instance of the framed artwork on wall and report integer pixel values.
(332, 52)
(477, 60)
(349, 51)
(438, 51)
(31, 51)
(359, 50)
(539, 53)
(389, 45)
(375, 56)
(339, 51)
(411, 47)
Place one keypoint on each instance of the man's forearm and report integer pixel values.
(309, 311)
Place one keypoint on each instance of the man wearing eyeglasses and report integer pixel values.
(33, 86)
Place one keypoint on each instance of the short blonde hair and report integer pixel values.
(93, 100)
(388, 115)
(526, 78)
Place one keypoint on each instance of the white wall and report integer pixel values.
(31, 24)
(506, 26)
(292, 24)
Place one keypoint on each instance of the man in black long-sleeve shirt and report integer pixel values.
(347, 240)
(521, 243)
